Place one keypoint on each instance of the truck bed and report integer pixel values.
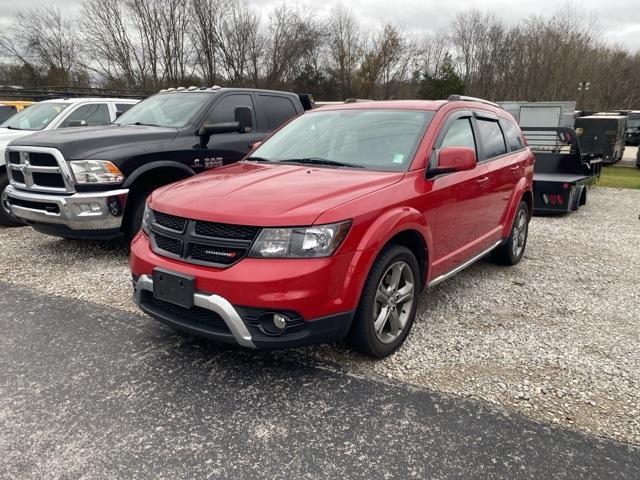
(558, 177)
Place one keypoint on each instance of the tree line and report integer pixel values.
(152, 44)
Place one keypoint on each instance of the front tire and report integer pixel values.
(388, 304)
(133, 215)
(6, 219)
(511, 252)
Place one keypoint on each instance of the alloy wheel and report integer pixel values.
(393, 302)
(519, 235)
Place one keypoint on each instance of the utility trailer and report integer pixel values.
(561, 172)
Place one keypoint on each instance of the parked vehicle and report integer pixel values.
(92, 182)
(562, 173)
(602, 136)
(632, 135)
(49, 115)
(333, 226)
(8, 108)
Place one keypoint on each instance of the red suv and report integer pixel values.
(335, 224)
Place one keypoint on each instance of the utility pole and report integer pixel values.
(582, 88)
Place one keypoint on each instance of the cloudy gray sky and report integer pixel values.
(619, 19)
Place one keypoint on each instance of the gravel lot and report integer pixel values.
(555, 338)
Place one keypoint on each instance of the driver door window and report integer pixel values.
(225, 110)
(92, 115)
(460, 134)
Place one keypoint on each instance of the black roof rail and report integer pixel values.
(464, 98)
(358, 100)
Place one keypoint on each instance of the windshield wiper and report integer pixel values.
(14, 128)
(320, 161)
(144, 124)
(257, 159)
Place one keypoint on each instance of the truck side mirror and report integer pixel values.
(77, 123)
(244, 116)
(454, 159)
(207, 130)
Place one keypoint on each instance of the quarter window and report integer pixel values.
(513, 135)
(92, 115)
(492, 138)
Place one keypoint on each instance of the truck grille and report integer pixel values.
(202, 243)
(38, 169)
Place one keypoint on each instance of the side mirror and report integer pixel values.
(206, 131)
(77, 123)
(454, 159)
(244, 116)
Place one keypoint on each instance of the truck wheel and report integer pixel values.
(388, 303)
(6, 219)
(511, 252)
(134, 210)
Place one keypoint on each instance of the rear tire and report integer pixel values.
(388, 303)
(511, 252)
(6, 219)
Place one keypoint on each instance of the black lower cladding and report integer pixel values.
(205, 323)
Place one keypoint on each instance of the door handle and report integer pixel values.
(514, 168)
(482, 180)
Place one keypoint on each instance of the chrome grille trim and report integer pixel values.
(27, 170)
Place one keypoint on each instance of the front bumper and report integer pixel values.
(214, 317)
(78, 212)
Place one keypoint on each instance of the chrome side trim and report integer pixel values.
(461, 267)
(216, 304)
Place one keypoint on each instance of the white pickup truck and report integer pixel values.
(51, 114)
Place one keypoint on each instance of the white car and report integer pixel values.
(51, 114)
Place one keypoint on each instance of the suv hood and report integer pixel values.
(267, 195)
(82, 142)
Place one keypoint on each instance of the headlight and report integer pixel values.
(146, 219)
(300, 242)
(95, 171)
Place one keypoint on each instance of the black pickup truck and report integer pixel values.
(91, 182)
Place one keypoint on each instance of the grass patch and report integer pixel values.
(620, 177)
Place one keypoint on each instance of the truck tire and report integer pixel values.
(132, 221)
(511, 251)
(6, 219)
(388, 303)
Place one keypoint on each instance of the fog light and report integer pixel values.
(279, 321)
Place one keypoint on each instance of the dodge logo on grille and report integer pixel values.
(218, 253)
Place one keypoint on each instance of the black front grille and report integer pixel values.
(194, 315)
(54, 180)
(42, 160)
(224, 230)
(48, 207)
(17, 176)
(14, 157)
(168, 244)
(169, 221)
(205, 253)
(208, 243)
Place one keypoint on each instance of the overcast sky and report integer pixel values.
(620, 19)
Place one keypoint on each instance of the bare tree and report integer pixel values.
(345, 48)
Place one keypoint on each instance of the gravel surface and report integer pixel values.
(554, 338)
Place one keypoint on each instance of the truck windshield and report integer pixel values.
(166, 110)
(36, 117)
(372, 139)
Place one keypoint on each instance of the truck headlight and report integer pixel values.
(96, 171)
(300, 242)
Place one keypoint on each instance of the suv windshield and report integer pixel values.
(634, 120)
(36, 117)
(165, 110)
(372, 139)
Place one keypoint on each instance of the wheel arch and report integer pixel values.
(154, 173)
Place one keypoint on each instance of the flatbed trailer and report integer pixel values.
(561, 174)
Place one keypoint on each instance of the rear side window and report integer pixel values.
(492, 138)
(90, 115)
(225, 110)
(6, 112)
(460, 134)
(512, 135)
(277, 110)
(123, 107)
